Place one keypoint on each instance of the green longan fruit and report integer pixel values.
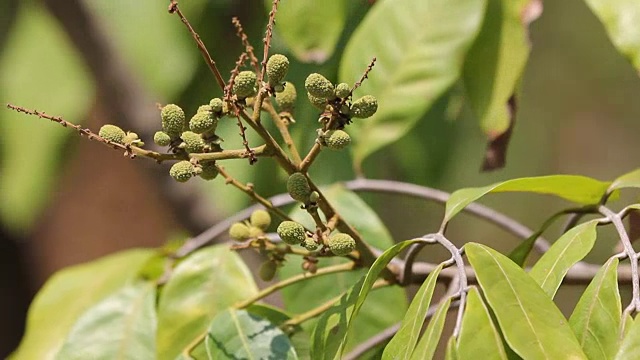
(364, 107)
(291, 232)
(287, 98)
(203, 121)
(341, 244)
(260, 219)
(173, 120)
(268, 270)
(317, 102)
(310, 244)
(193, 142)
(161, 138)
(342, 90)
(245, 84)
(239, 232)
(216, 105)
(318, 86)
(337, 139)
(182, 171)
(112, 133)
(298, 187)
(209, 170)
(277, 67)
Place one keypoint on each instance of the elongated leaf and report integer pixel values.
(74, 289)
(628, 180)
(452, 350)
(311, 38)
(531, 323)
(331, 332)
(479, 334)
(578, 189)
(429, 341)
(630, 347)
(420, 46)
(621, 19)
(237, 334)
(596, 317)
(206, 283)
(572, 247)
(626, 325)
(404, 341)
(122, 326)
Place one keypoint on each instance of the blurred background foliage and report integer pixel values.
(64, 200)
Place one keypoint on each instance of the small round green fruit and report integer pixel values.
(239, 232)
(319, 86)
(203, 121)
(317, 102)
(291, 232)
(343, 90)
(310, 244)
(287, 98)
(260, 219)
(268, 270)
(193, 142)
(182, 171)
(173, 120)
(245, 84)
(298, 187)
(364, 107)
(277, 67)
(112, 133)
(216, 105)
(341, 244)
(161, 138)
(337, 139)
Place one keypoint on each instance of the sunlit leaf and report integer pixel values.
(630, 346)
(429, 340)
(628, 180)
(531, 323)
(420, 47)
(479, 334)
(452, 350)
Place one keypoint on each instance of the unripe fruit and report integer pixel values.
(310, 244)
(245, 84)
(314, 197)
(341, 244)
(209, 170)
(216, 105)
(287, 98)
(203, 121)
(317, 102)
(239, 232)
(112, 133)
(278, 88)
(161, 138)
(260, 219)
(204, 108)
(254, 232)
(173, 120)
(277, 67)
(298, 187)
(342, 90)
(193, 142)
(291, 232)
(318, 86)
(182, 171)
(337, 139)
(364, 107)
(268, 270)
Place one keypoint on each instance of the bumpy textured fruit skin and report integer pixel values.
(245, 84)
(310, 244)
(317, 102)
(277, 68)
(209, 170)
(193, 142)
(173, 120)
(337, 139)
(182, 171)
(112, 133)
(239, 232)
(161, 138)
(216, 105)
(260, 219)
(318, 86)
(291, 232)
(364, 107)
(298, 187)
(203, 121)
(287, 98)
(268, 270)
(342, 90)
(341, 244)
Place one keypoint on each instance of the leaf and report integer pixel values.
(495, 155)
(621, 19)
(630, 347)
(429, 341)
(311, 38)
(237, 334)
(628, 180)
(122, 326)
(299, 338)
(74, 289)
(570, 248)
(578, 189)
(479, 334)
(201, 286)
(404, 341)
(596, 317)
(420, 46)
(331, 332)
(626, 325)
(531, 323)
(452, 350)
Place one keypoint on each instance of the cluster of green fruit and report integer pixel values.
(293, 233)
(255, 227)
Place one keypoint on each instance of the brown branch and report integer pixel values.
(247, 45)
(284, 131)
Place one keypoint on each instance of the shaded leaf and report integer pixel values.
(479, 334)
(237, 334)
(122, 326)
(201, 286)
(531, 323)
(578, 189)
(596, 318)
(570, 248)
(74, 289)
(495, 156)
(630, 346)
(299, 338)
(621, 19)
(404, 341)
(416, 63)
(429, 341)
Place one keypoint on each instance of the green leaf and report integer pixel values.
(299, 338)
(74, 290)
(452, 350)
(495, 63)
(122, 326)
(237, 334)
(626, 325)
(479, 334)
(531, 323)
(331, 332)
(578, 189)
(404, 341)
(621, 19)
(201, 286)
(311, 29)
(596, 317)
(416, 63)
(570, 248)
(429, 341)
(628, 180)
(630, 347)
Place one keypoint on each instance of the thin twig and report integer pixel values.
(263, 86)
(247, 45)
(284, 131)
